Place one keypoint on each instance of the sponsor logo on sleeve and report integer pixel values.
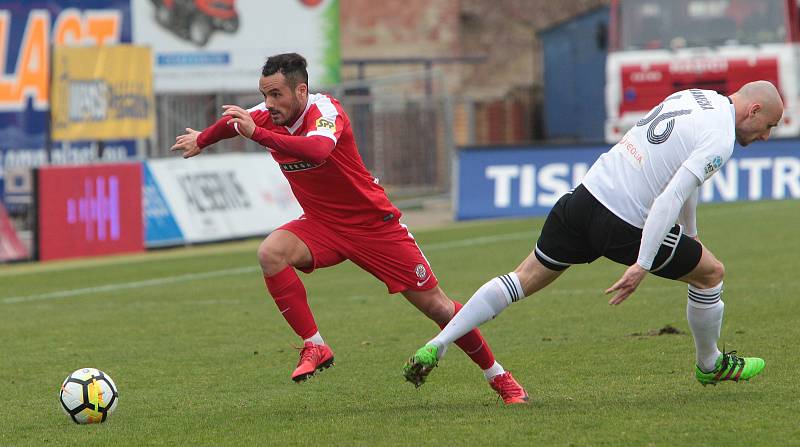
(325, 123)
(712, 165)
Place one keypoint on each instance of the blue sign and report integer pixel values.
(160, 228)
(527, 181)
(31, 28)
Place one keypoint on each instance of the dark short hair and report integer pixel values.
(291, 65)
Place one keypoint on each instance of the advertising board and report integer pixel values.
(89, 210)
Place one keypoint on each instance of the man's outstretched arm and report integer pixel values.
(193, 141)
(314, 149)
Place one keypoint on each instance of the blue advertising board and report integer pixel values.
(29, 28)
(527, 181)
(160, 227)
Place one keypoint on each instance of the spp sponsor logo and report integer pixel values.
(324, 123)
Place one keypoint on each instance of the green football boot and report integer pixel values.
(420, 364)
(730, 367)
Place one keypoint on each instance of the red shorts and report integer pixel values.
(388, 252)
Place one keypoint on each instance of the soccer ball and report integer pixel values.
(88, 396)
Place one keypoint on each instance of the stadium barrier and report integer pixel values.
(528, 180)
(215, 197)
(88, 210)
(100, 209)
(11, 248)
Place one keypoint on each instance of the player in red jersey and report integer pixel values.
(347, 215)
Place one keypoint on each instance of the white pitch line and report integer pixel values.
(530, 235)
(128, 285)
(235, 271)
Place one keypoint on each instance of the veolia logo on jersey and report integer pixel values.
(632, 154)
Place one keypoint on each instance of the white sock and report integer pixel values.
(316, 339)
(493, 370)
(704, 311)
(485, 304)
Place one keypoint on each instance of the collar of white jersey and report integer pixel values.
(311, 100)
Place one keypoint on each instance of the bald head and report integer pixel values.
(764, 93)
(758, 109)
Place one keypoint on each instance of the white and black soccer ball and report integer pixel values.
(88, 396)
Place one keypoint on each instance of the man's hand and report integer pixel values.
(187, 143)
(627, 284)
(241, 119)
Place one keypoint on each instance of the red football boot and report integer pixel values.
(313, 358)
(508, 388)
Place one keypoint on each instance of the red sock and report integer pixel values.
(290, 296)
(473, 344)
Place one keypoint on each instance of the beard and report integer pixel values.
(285, 118)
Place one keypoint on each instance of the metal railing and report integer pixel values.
(404, 135)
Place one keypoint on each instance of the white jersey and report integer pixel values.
(691, 128)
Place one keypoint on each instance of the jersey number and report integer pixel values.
(656, 120)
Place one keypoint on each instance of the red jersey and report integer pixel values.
(338, 190)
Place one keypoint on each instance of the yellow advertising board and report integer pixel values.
(102, 93)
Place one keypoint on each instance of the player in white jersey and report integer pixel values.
(626, 210)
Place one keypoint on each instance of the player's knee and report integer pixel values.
(718, 273)
(271, 255)
(713, 275)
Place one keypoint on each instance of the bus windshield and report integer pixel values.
(650, 24)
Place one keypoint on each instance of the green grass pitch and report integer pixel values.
(202, 357)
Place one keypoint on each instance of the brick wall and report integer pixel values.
(500, 99)
(503, 30)
(408, 28)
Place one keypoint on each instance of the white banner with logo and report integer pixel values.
(217, 197)
(221, 45)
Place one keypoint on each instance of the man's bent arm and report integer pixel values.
(314, 149)
(664, 213)
(688, 215)
(216, 132)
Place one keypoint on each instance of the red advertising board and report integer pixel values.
(89, 210)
